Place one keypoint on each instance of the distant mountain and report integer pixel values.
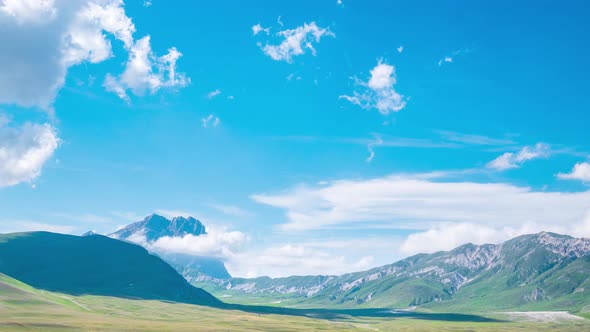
(544, 270)
(95, 265)
(154, 227)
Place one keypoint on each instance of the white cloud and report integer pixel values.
(29, 11)
(581, 171)
(147, 3)
(511, 160)
(400, 49)
(256, 29)
(447, 59)
(379, 92)
(296, 41)
(24, 150)
(471, 139)
(419, 202)
(451, 235)
(145, 72)
(48, 37)
(218, 242)
(210, 120)
(213, 94)
(378, 141)
(294, 259)
(454, 55)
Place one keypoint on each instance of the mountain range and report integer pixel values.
(544, 271)
(155, 227)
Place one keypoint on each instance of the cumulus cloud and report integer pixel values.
(210, 121)
(511, 160)
(296, 41)
(29, 11)
(581, 171)
(147, 73)
(48, 37)
(218, 242)
(400, 49)
(378, 92)
(421, 202)
(24, 150)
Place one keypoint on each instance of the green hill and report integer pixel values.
(93, 265)
(542, 271)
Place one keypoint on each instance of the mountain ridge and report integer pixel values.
(533, 268)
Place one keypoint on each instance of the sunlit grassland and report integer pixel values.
(25, 308)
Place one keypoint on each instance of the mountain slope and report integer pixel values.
(155, 227)
(95, 265)
(542, 270)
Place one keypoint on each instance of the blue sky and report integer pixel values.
(387, 128)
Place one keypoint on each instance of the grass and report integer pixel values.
(25, 308)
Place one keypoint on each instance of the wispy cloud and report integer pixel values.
(510, 160)
(296, 41)
(213, 94)
(87, 218)
(230, 210)
(378, 141)
(256, 29)
(210, 121)
(9, 226)
(451, 57)
(473, 139)
(423, 202)
(378, 92)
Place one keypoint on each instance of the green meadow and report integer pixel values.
(23, 308)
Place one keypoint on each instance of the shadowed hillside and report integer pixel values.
(94, 265)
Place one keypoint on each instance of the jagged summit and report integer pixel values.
(156, 226)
